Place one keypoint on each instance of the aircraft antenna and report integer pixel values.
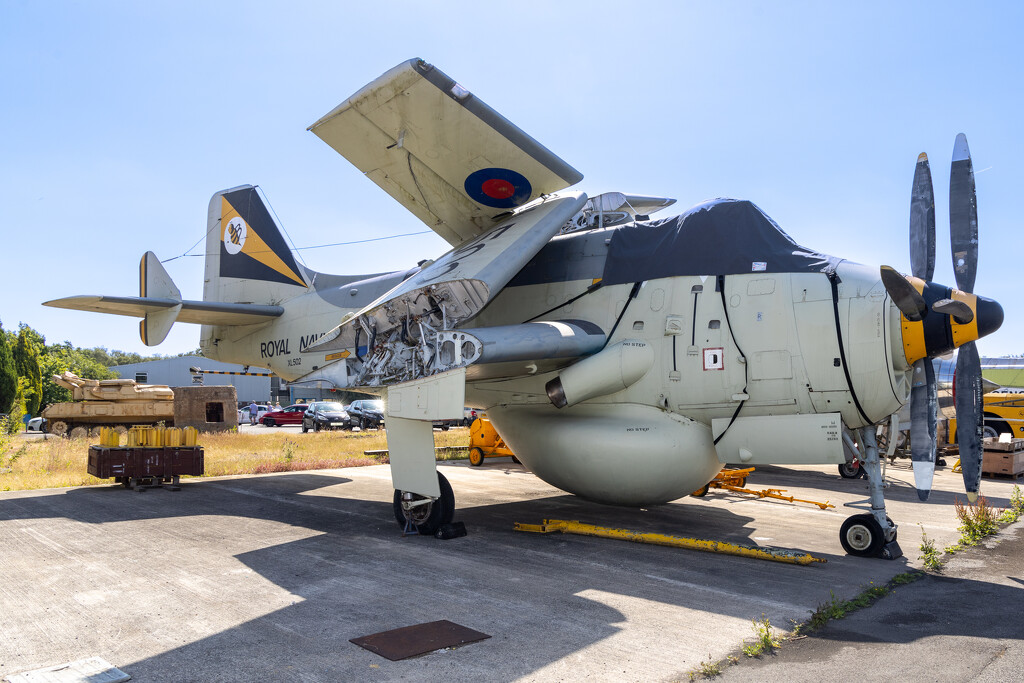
(280, 224)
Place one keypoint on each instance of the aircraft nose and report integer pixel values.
(990, 316)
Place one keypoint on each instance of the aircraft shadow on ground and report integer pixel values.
(470, 581)
(895, 491)
(906, 620)
(360, 546)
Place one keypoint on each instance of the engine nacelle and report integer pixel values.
(611, 370)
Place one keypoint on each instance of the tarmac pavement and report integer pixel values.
(964, 624)
(239, 578)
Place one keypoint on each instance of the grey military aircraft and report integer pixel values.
(624, 359)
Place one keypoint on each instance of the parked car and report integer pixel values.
(36, 424)
(365, 414)
(292, 415)
(243, 413)
(325, 415)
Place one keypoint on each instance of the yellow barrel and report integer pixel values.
(172, 437)
(109, 437)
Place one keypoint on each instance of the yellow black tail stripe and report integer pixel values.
(258, 250)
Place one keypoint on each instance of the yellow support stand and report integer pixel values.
(771, 554)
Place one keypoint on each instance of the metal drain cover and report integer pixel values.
(409, 641)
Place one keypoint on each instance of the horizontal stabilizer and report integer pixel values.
(198, 312)
(454, 162)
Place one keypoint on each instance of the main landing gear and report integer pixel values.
(416, 513)
(872, 534)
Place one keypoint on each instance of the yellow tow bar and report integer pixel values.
(773, 554)
(736, 480)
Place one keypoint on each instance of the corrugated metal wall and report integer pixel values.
(174, 372)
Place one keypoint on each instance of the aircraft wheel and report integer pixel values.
(426, 518)
(861, 536)
(476, 457)
(702, 491)
(849, 470)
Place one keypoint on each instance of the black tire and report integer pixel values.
(444, 428)
(428, 518)
(850, 471)
(994, 426)
(362, 424)
(702, 491)
(316, 426)
(269, 423)
(304, 427)
(861, 536)
(476, 457)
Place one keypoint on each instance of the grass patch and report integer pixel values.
(837, 609)
(56, 462)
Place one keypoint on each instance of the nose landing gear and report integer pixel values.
(870, 534)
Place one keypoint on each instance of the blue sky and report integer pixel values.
(119, 121)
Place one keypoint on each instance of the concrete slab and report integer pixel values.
(268, 576)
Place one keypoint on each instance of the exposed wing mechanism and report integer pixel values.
(411, 331)
(442, 153)
(615, 208)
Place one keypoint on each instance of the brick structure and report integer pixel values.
(208, 409)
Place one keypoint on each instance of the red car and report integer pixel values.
(292, 415)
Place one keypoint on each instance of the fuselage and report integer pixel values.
(775, 344)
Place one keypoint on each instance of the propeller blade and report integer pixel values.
(963, 216)
(960, 311)
(969, 417)
(907, 299)
(922, 221)
(923, 407)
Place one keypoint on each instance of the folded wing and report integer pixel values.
(442, 153)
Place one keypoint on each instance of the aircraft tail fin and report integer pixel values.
(247, 257)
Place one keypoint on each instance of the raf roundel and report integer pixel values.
(499, 188)
(234, 235)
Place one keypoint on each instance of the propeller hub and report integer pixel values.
(989, 316)
(937, 319)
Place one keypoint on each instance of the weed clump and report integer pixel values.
(977, 520)
(765, 639)
(929, 553)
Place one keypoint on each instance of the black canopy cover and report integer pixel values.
(718, 237)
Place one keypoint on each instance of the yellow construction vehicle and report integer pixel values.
(485, 442)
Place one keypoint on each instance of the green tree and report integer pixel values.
(8, 374)
(59, 358)
(26, 364)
